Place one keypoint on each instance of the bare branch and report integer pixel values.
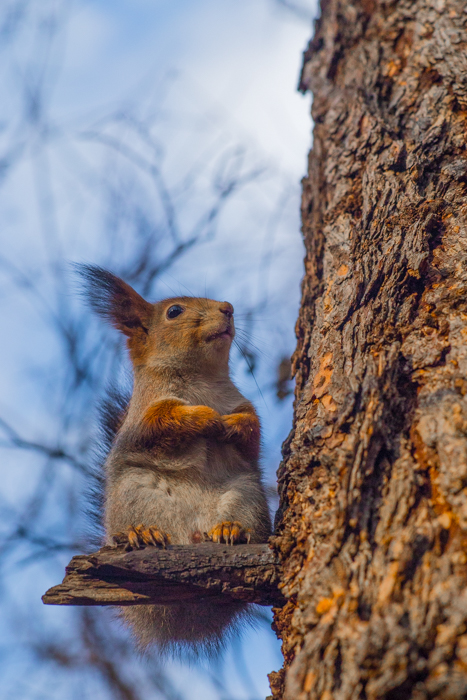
(306, 14)
(162, 576)
(15, 440)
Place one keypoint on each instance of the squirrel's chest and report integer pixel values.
(204, 460)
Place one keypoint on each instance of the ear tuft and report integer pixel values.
(114, 299)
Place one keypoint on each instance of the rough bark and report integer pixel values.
(162, 576)
(374, 479)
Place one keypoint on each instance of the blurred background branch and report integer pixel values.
(109, 154)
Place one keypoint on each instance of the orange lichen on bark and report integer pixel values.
(325, 604)
(323, 376)
(329, 403)
(343, 270)
(388, 584)
(309, 681)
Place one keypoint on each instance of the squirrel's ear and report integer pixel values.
(115, 300)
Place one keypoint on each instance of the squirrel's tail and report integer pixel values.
(111, 411)
(191, 628)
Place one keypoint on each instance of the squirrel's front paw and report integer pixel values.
(140, 536)
(230, 533)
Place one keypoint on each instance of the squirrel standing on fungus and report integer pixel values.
(183, 466)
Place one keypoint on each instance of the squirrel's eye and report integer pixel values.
(174, 311)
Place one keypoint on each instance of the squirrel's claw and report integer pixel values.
(156, 537)
(140, 536)
(230, 533)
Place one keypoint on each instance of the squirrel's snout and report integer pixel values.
(227, 309)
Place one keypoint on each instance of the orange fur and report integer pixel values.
(175, 422)
(243, 429)
(172, 422)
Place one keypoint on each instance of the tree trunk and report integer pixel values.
(373, 485)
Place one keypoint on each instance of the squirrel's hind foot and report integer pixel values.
(139, 536)
(230, 533)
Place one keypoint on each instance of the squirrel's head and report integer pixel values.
(178, 333)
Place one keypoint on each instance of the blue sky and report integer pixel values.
(211, 75)
(240, 58)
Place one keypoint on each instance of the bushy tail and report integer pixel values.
(189, 629)
(111, 411)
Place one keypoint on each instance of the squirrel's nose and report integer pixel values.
(227, 309)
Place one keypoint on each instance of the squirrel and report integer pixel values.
(183, 464)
